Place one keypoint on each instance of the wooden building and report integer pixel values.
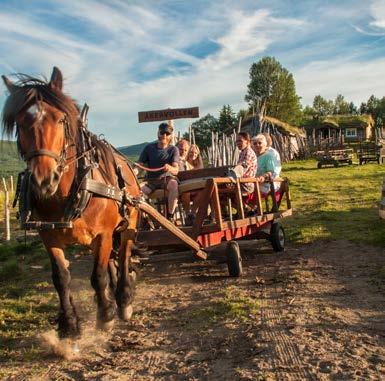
(339, 129)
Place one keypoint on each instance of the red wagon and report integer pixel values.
(217, 197)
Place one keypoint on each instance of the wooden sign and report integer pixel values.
(168, 114)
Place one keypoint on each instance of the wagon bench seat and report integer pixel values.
(184, 186)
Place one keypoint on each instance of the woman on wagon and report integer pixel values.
(194, 157)
(267, 168)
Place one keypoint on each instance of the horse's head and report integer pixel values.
(45, 119)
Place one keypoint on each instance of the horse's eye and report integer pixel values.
(61, 121)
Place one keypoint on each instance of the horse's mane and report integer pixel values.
(29, 90)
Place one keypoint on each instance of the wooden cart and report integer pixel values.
(334, 157)
(218, 197)
(370, 151)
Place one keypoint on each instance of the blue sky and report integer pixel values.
(122, 57)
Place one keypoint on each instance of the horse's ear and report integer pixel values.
(10, 86)
(56, 79)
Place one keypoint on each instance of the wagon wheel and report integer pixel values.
(350, 162)
(336, 164)
(277, 237)
(319, 165)
(361, 161)
(234, 259)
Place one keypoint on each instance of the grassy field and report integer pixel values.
(10, 162)
(335, 203)
(328, 203)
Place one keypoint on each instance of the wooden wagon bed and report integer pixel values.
(217, 199)
(370, 151)
(334, 157)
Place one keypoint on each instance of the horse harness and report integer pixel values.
(83, 186)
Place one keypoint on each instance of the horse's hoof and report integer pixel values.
(105, 325)
(126, 313)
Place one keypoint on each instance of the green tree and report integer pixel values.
(352, 109)
(376, 108)
(372, 106)
(203, 129)
(322, 107)
(363, 108)
(341, 107)
(227, 119)
(272, 90)
(380, 114)
(308, 112)
(242, 113)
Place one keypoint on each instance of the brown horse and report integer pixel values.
(75, 193)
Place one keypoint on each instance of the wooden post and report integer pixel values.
(230, 209)
(7, 233)
(7, 217)
(12, 188)
(239, 124)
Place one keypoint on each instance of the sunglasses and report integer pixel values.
(164, 133)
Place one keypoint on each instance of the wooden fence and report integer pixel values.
(7, 193)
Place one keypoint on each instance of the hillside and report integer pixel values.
(11, 164)
(132, 151)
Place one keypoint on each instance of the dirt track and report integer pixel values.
(315, 312)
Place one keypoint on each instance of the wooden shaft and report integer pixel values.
(173, 229)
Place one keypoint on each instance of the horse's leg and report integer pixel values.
(126, 280)
(68, 322)
(100, 283)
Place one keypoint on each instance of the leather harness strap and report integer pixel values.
(42, 152)
(100, 189)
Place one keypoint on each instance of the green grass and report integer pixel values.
(232, 303)
(335, 203)
(10, 162)
(27, 301)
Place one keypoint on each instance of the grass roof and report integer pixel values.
(341, 121)
(282, 126)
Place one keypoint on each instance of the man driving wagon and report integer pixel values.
(162, 164)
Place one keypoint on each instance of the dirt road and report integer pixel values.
(315, 312)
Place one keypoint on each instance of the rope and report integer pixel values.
(149, 169)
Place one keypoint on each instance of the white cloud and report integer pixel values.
(355, 80)
(377, 10)
(122, 45)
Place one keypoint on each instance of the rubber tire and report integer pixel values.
(277, 237)
(361, 162)
(336, 164)
(319, 165)
(234, 259)
(350, 162)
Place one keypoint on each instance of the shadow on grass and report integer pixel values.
(315, 168)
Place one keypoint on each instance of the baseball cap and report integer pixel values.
(165, 127)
